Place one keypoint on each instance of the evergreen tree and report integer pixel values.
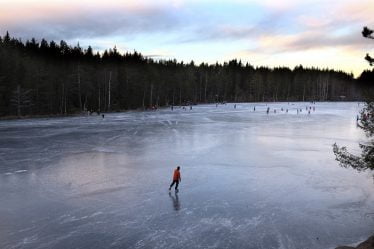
(366, 159)
(368, 33)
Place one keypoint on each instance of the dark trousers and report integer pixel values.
(176, 184)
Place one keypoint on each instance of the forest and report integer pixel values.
(55, 78)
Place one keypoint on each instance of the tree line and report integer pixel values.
(57, 78)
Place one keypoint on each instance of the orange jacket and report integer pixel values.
(177, 175)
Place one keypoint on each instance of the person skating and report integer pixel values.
(176, 179)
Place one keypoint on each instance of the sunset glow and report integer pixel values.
(273, 33)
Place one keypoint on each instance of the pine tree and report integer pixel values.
(368, 33)
(366, 159)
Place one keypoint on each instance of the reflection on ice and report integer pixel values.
(250, 179)
(175, 199)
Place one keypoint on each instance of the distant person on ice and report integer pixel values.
(176, 179)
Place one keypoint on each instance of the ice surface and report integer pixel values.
(249, 180)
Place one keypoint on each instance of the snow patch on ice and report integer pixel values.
(225, 222)
(20, 171)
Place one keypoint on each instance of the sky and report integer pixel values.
(318, 33)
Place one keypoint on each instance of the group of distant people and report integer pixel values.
(308, 109)
(155, 107)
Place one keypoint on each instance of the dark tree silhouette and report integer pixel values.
(63, 79)
(20, 99)
(368, 33)
(366, 159)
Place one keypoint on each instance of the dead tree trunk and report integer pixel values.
(79, 88)
(173, 96)
(151, 96)
(99, 106)
(18, 99)
(304, 92)
(109, 82)
(143, 101)
(180, 96)
(200, 88)
(62, 100)
(206, 85)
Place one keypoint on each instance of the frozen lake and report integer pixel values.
(249, 180)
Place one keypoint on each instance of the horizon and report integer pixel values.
(123, 53)
(262, 33)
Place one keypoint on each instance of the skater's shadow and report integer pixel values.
(175, 200)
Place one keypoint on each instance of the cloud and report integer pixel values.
(308, 40)
(338, 25)
(69, 21)
(219, 29)
(216, 33)
(361, 11)
(183, 28)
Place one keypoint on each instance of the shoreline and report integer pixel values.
(5, 118)
(367, 244)
(82, 114)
